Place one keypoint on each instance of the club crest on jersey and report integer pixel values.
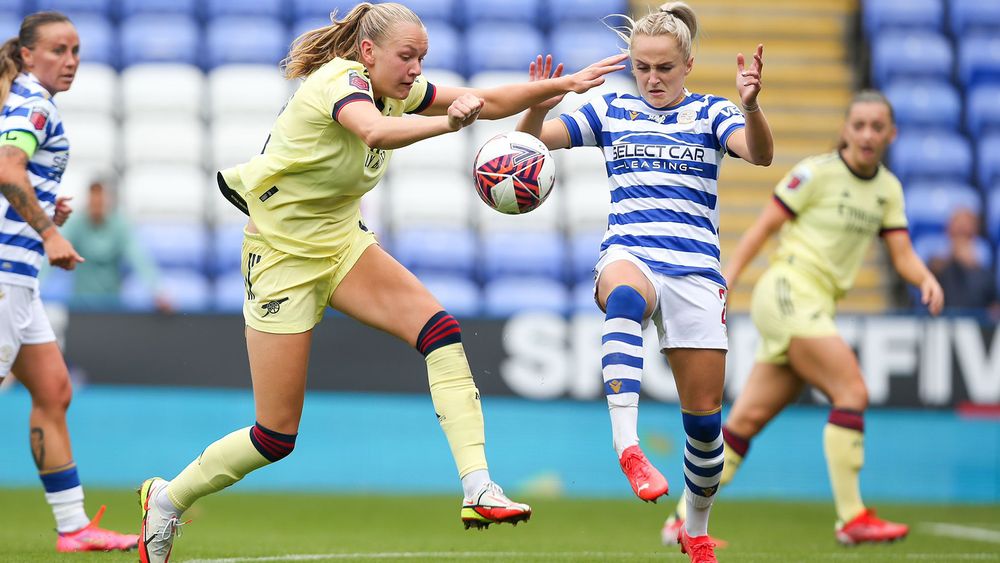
(686, 116)
(38, 118)
(358, 81)
(795, 182)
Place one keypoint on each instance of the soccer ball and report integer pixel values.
(514, 172)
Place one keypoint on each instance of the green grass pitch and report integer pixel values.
(235, 527)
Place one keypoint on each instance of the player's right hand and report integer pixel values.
(540, 69)
(593, 75)
(464, 111)
(59, 250)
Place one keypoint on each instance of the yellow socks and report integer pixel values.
(844, 445)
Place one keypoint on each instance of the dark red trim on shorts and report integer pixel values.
(854, 420)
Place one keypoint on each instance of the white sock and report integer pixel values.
(698, 508)
(163, 502)
(67, 507)
(474, 481)
(624, 426)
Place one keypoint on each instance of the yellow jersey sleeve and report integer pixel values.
(794, 192)
(349, 85)
(422, 94)
(894, 218)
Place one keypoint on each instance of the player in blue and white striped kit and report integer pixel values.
(660, 257)
(34, 66)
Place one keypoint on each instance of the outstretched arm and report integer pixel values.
(913, 270)
(770, 220)
(553, 132)
(753, 143)
(384, 132)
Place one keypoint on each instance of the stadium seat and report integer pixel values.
(94, 92)
(931, 246)
(578, 44)
(74, 8)
(220, 212)
(584, 249)
(988, 153)
(10, 23)
(560, 11)
(271, 8)
(992, 225)
(179, 7)
(620, 82)
(56, 285)
(432, 11)
(226, 244)
(583, 298)
(929, 205)
(235, 139)
(982, 110)
(925, 104)
(94, 141)
(546, 217)
(507, 296)
(247, 89)
(14, 7)
(188, 292)
(587, 203)
(943, 156)
(245, 40)
(517, 253)
(143, 92)
(98, 41)
(176, 244)
(443, 76)
(444, 47)
(430, 197)
(979, 59)
(308, 23)
(151, 38)
(163, 192)
(228, 292)
(163, 138)
(881, 15)
(321, 8)
(969, 16)
(451, 152)
(527, 12)
(502, 46)
(459, 295)
(585, 163)
(436, 251)
(917, 54)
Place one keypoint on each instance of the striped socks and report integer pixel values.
(621, 364)
(703, 461)
(64, 493)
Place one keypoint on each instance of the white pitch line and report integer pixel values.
(416, 554)
(961, 532)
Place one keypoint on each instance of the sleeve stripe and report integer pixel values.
(724, 138)
(355, 97)
(791, 212)
(595, 123)
(885, 230)
(575, 136)
(429, 97)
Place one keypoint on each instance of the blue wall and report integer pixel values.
(392, 443)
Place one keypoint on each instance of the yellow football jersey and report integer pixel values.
(836, 215)
(303, 192)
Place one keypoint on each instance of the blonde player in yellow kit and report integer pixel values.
(831, 206)
(307, 248)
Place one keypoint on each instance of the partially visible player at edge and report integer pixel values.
(307, 248)
(828, 208)
(660, 256)
(34, 66)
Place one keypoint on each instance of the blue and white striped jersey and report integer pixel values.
(29, 108)
(663, 171)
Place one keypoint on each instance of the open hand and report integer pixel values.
(539, 70)
(593, 75)
(748, 79)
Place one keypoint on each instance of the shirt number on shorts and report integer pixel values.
(722, 296)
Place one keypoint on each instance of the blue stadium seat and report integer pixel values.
(988, 156)
(271, 8)
(925, 104)
(245, 40)
(560, 11)
(917, 54)
(14, 7)
(459, 295)
(160, 38)
(974, 15)
(880, 15)
(932, 246)
(10, 24)
(308, 23)
(979, 59)
(98, 40)
(226, 245)
(520, 253)
(526, 12)
(321, 8)
(982, 112)
(444, 47)
(505, 296)
(75, 8)
(993, 214)
(579, 44)
(584, 249)
(56, 285)
(448, 11)
(423, 251)
(502, 46)
(938, 155)
(189, 291)
(179, 7)
(228, 292)
(583, 298)
(929, 205)
(175, 245)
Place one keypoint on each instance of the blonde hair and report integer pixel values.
(342, 38)
(676, 19)
(11, 64)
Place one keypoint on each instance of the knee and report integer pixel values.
(853, 396)
(274, 446)
(55, 396)
(749, 422)
(703, 427)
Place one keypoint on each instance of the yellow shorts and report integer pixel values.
(787, 303)
(287, 294)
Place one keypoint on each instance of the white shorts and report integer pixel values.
(22, 321)
(690, 310)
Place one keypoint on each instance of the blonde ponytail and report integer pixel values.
(676, 19)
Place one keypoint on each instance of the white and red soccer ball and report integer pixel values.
(514, 172)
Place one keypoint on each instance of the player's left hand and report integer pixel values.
(748, 79)
(63, 210)
(541, 70)
(932, 295)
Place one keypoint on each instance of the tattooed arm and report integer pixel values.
(17, 190)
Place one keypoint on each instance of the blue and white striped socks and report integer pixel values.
(64, 494)
(703, 461)
(621, 364)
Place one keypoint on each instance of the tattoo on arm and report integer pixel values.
(38, 447)
(26, 204)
